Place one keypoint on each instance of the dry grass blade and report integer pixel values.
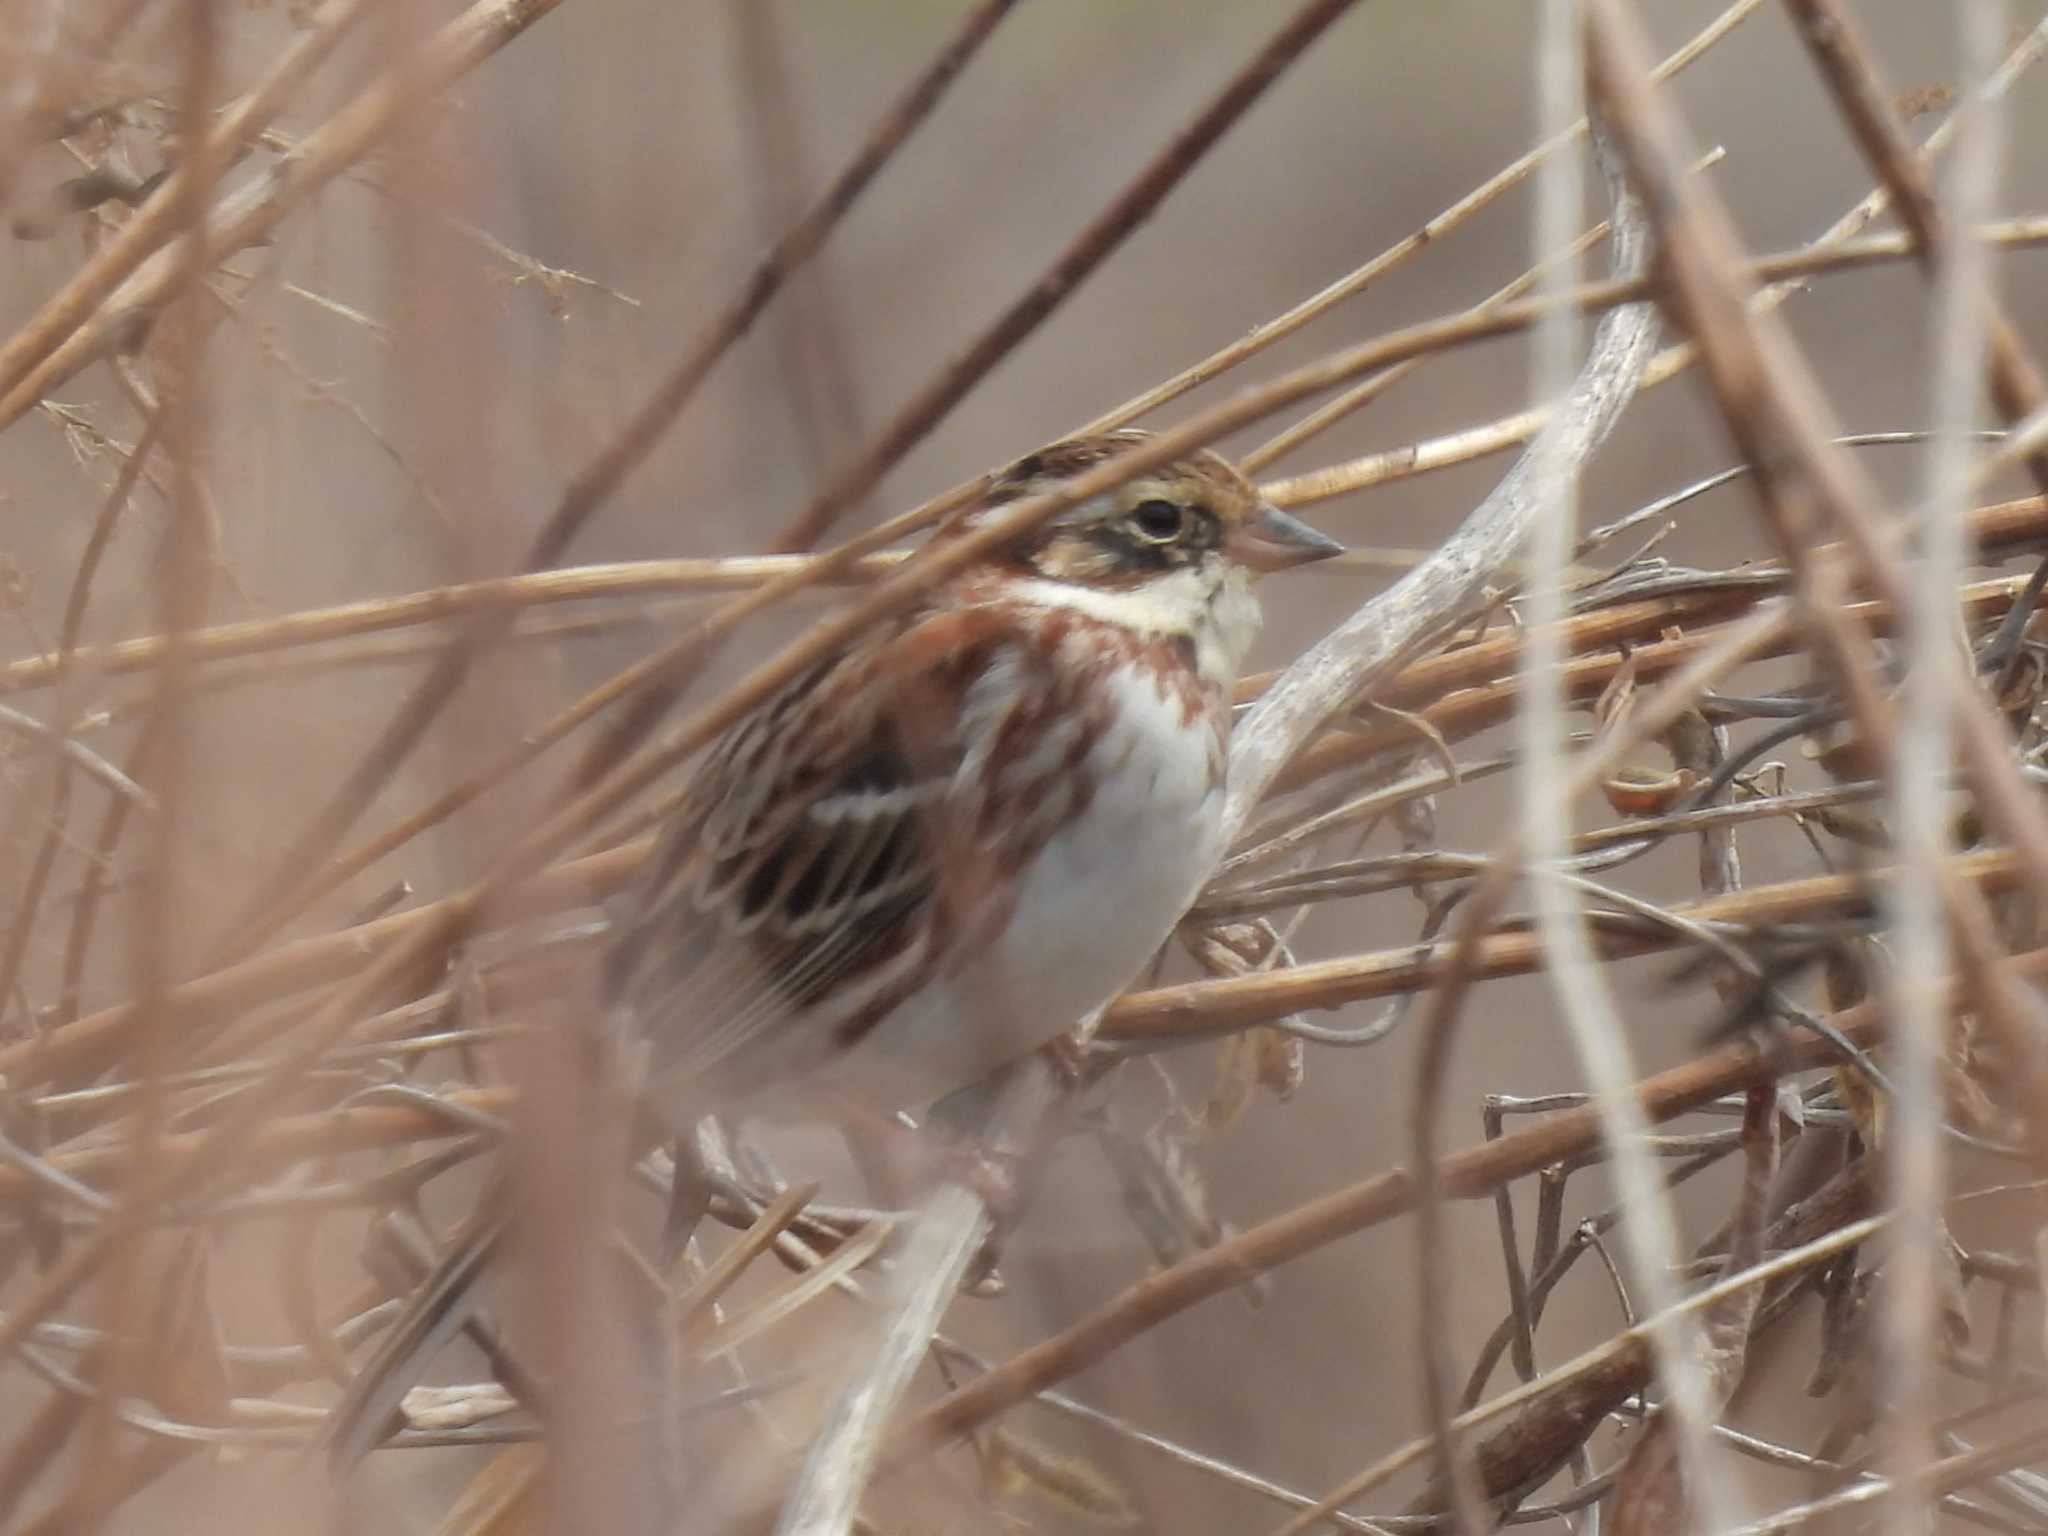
(1970, 332)
(743, 1326)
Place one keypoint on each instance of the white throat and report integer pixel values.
(1211, 604)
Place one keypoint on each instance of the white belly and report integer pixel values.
(1090, 911)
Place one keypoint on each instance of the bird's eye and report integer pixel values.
(1159, 521)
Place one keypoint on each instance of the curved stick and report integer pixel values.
(1393, 624)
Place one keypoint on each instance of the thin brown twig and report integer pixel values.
(91, 1044)
(316, 626)
(817, 377)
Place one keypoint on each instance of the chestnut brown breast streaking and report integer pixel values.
(940, 849)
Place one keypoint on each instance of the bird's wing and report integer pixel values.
(810, 871)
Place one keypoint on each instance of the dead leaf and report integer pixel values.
(1070, 1483)
(1282, 1060)
(1645, 792)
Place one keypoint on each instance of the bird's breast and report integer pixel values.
(1097, 893)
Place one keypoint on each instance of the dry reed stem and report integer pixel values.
(1543, 804)
(1580, 988)
(1969, 332)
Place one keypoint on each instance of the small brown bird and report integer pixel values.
(942, 848)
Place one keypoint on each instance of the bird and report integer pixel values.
(937, 850)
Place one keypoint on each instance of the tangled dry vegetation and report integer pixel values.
(242, 1115)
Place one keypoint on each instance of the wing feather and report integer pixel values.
(802, 872)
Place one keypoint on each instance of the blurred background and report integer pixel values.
(393, 401)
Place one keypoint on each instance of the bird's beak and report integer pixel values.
(1273, 541)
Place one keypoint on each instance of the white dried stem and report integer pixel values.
(1650, 1235)
(944, 1237)
(1423, 604)
(1916, 1164)
(943, 1241)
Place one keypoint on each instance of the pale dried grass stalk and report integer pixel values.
(1961, 318)
(1577, 984)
